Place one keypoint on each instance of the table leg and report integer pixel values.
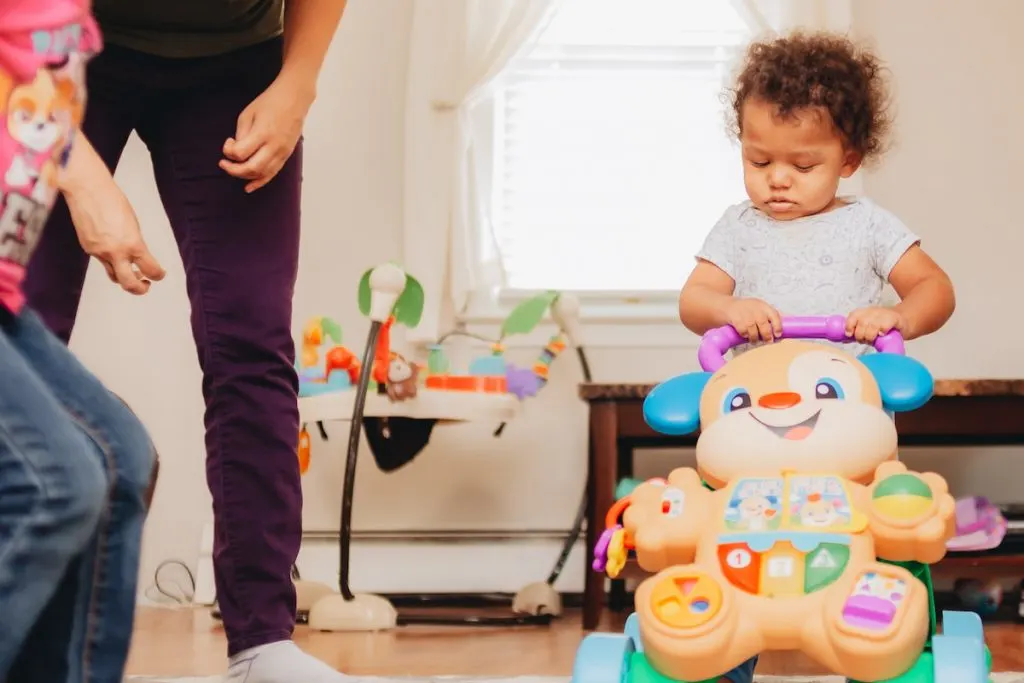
(603, 463)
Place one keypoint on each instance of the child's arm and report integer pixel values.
(704, 297)
(926, 293)
(707, 301)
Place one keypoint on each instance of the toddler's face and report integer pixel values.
(792, 166)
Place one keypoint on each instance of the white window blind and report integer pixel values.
(611, 159)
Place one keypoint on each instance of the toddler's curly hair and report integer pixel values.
(814, 70)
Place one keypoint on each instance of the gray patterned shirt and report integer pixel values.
(827, 264)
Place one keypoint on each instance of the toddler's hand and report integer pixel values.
(866, 324)
(754, 319)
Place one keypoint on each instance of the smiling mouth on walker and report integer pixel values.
(794, 432)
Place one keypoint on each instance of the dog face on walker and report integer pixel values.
(798, 447)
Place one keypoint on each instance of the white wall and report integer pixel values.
(952, 177)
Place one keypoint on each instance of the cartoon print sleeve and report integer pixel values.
(36, 34)
(44, 46)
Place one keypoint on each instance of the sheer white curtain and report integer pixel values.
(457, 48)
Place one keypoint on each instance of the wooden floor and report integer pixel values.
(186, 642)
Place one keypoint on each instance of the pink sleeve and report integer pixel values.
(44, 45)
(37, 33)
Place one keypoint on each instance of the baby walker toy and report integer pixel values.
(384, 375)
(798, 530)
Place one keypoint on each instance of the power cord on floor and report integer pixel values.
(170, 588)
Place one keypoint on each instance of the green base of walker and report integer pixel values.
(640, 671)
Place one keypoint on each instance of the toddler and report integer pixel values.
(75, 463)
(809, 110)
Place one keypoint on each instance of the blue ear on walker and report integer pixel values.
(673, 407)
(905, 383)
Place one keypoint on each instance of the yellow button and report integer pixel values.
(686, 600)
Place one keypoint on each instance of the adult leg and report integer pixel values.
(89, 625)
(240, 253)
(51, 499)
(56, 273)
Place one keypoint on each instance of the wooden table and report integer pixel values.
(964, 412)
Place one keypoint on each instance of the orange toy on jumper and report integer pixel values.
(391, 370)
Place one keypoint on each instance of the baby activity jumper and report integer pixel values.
(396, 403)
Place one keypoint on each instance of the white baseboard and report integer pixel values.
(427, 563)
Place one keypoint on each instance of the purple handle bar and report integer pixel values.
(717, 342)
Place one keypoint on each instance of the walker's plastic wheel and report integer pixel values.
(959, 653)
(632, 630)
(963, 625)
(958, 660)
(603, 658)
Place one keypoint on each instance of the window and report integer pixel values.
(611, 159)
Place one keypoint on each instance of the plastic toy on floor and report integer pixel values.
(979, 525)
(798, 530)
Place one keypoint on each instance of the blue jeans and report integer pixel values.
(75, 464)
(744, 673)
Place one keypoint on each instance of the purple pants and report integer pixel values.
(240, 253)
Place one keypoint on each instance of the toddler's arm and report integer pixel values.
(707, 301)
(705, 297)
(709, 289)
(926, 293)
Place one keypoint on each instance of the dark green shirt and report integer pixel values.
(188, 28)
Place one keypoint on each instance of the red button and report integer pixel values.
(741, 566)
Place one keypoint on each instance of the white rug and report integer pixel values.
(1007, 677)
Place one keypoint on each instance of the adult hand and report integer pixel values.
(866, 324)
(106, 225)
(267, 132)
(108, 230)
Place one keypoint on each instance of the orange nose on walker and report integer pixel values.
(779, 400)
